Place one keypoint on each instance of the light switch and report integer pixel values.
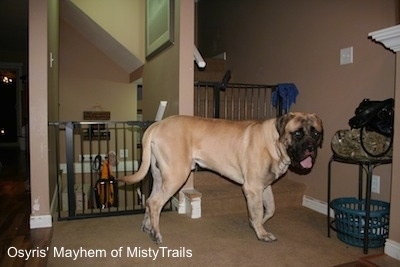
(346, 55)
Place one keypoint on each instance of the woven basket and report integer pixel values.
(350, 221)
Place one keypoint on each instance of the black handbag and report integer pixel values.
(376, 116)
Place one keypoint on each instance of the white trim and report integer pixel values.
(316, 205)
(161, 110)
(392, 249)
(40, 221)
(389, 37)
(198, 58)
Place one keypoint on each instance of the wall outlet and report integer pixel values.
(376, 184)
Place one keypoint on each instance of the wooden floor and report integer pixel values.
(15, 233)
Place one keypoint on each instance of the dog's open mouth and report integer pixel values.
(307, 163)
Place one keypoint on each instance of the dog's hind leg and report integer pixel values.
(146, 226)
(169, 183)
(156, 175)
(269, 204)
(254, 197)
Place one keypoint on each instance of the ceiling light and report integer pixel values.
(7, 80)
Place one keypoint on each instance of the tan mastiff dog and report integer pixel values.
(251, 153)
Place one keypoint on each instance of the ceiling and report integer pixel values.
(14, 21)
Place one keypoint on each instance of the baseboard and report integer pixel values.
(316, 205)
(392, 249)
(40, 221)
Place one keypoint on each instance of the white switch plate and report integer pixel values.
(346, 55)
(376, 184)
(123, 153)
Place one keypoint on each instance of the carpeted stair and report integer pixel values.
(221, 196)
(213, 72)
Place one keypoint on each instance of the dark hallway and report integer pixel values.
(8, 104)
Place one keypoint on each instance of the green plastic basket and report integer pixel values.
(350, 221)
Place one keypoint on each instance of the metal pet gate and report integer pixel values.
(82, 147)
(236, 101)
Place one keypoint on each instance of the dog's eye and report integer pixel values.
(316, 134)
(298, 134)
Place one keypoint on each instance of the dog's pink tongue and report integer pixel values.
(306, 163)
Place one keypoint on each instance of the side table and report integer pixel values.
(364, 164)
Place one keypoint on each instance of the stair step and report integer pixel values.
(209, 76)
(213, 72)
(214, 64)
(221, 196)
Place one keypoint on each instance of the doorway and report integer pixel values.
(8, 107)
(13, 105)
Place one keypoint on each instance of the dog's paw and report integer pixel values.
(156, 237)
(267, 237)
(261, 233)
(145, 229)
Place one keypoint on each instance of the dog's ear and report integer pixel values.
(321, 139)
(321, 130)
(281, 123)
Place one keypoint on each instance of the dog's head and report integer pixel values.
(301, 134)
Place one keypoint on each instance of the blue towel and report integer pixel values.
(288, 92)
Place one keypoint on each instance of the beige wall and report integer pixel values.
(186, 43)
(90, 81)
(160, 83)
(38, 114)
(123, 19)
(299, 42)
(169, 75)
(43, 106)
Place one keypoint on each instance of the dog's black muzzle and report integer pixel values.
(303, 154)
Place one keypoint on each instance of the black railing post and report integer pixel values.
(217, 88)
(216, 98)
(69, 147)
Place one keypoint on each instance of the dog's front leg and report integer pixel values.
(269, 203)
(254, 197)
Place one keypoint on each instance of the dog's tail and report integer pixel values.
(146, 159)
